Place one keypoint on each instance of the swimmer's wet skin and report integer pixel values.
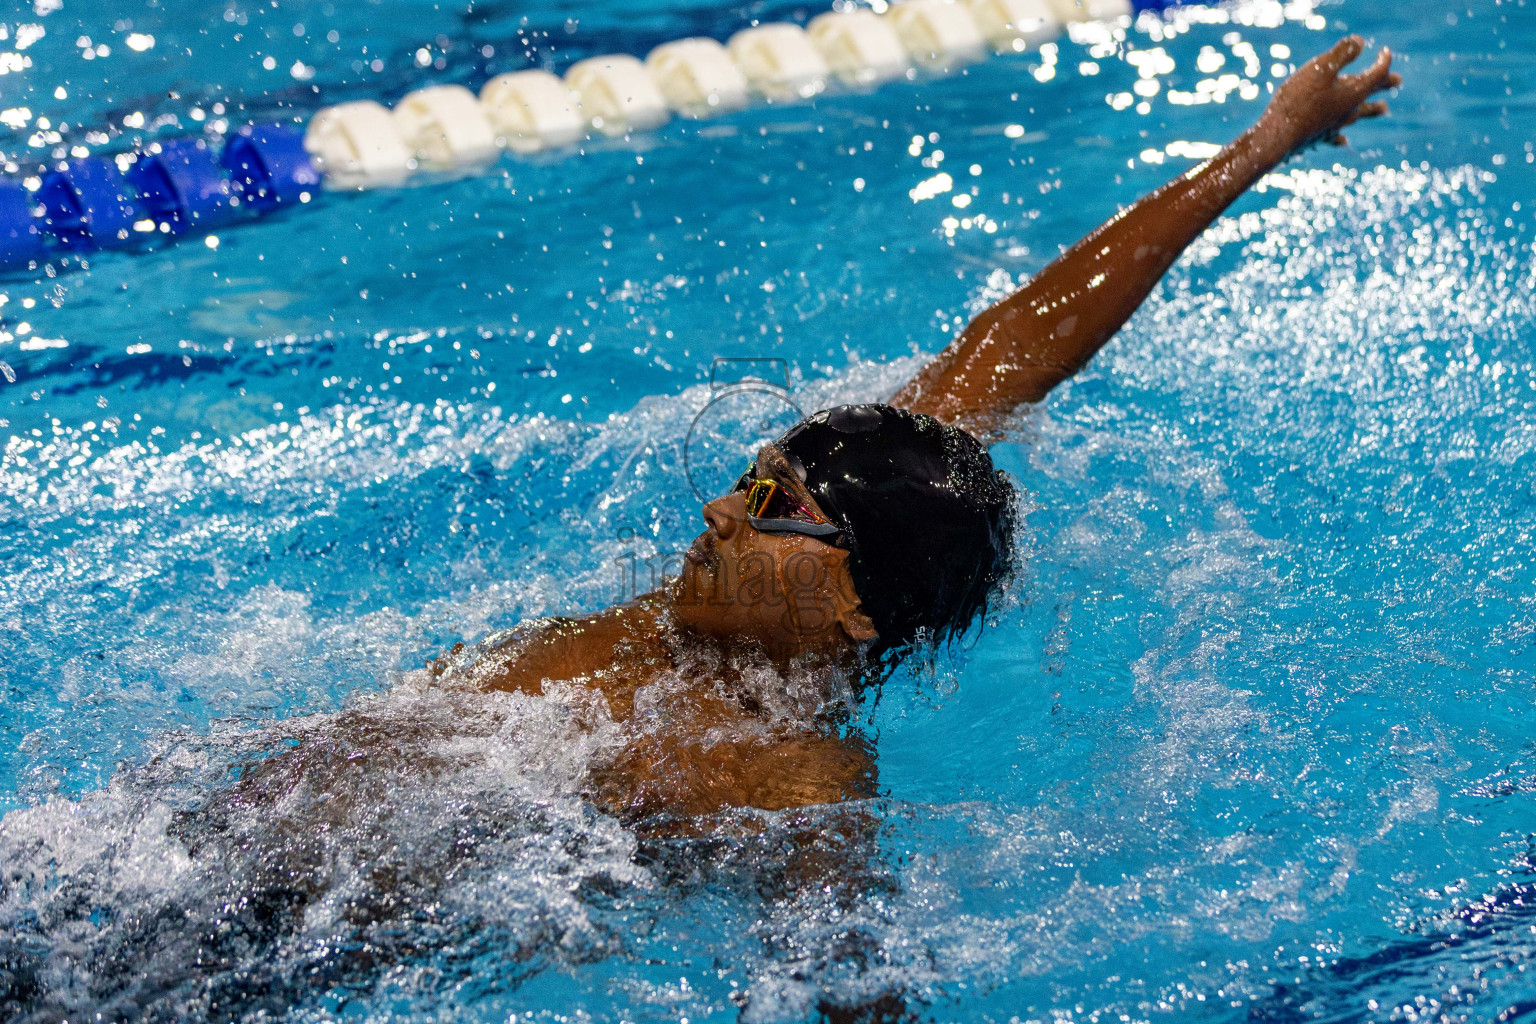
(922, 521)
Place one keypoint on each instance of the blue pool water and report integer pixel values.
(1251, 737)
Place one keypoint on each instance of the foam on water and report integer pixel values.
(415, 823)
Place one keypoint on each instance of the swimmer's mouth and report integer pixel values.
(702, 551)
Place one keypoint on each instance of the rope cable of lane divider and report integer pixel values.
(180, 185)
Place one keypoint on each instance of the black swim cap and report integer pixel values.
(927, 519)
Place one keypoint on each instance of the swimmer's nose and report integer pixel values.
(726, 515)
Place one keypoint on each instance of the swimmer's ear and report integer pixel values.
(848, 608)
(856, 624)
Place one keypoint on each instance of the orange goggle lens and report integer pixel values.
(770, 507)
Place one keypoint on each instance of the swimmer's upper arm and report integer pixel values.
(1021, 348)
(687, 774)
(1018, 350)
(810, 770)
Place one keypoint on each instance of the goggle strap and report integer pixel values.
(794, 526)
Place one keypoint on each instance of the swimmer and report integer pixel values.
(868, 529)
(865, 531)
(335, 859)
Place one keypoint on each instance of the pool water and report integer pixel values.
(1250, 736)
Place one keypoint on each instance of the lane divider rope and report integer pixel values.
(181, 185)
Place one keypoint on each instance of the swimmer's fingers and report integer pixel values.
(1374, 108)
(1341, 53)
(1377, 77)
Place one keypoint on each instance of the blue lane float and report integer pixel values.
(183, 187)
(89, 204)
(177, 186)
(21, 243)
(269, 166)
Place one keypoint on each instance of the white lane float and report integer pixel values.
(532, 111)
(939, 34)
(446, 127)
(697, 77)
(1013, 26)
(618, 97)
(356, 145)
(859, 46)
(1091, 10)
(780, 61)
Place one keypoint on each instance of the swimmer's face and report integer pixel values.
(787, 591)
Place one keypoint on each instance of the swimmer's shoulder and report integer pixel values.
(615, 643)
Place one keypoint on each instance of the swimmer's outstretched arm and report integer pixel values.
(1021, 348)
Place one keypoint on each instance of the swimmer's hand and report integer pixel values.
(1317, 101)
(442, 663)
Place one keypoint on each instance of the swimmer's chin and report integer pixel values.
(691, 585)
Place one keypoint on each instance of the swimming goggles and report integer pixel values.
(772, 509)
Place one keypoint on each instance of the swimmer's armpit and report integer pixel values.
(1021, 348)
